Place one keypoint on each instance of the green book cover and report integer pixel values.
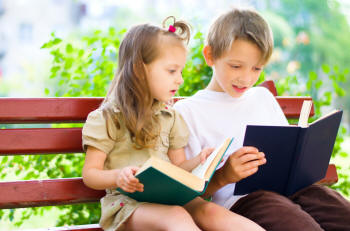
(165, 183)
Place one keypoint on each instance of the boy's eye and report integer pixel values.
(235, 66)
(257, 68)
(171, 71)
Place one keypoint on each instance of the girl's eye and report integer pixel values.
(235, 66)
(172, 71)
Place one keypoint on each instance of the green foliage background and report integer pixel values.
(85, 66)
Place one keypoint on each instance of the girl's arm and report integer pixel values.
(178, 157)
(94, 175)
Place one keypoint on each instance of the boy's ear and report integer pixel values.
(208, 55)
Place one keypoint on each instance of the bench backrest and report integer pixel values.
(32, 193)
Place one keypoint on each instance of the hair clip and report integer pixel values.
(172, 28)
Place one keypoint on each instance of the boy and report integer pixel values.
(239, 44)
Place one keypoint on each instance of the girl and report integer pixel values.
(133, 124)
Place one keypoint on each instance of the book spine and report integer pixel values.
(298, 156)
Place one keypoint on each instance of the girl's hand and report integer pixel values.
(127, 181)
(241, 164)
(203, 155)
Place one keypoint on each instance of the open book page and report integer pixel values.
(212, 160)
(305, 113)
(173, 172)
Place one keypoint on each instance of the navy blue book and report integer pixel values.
(296, 156)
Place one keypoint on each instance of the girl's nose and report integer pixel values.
(179, 79)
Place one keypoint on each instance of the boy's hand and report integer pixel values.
(243, 163)
(203, 155)
(127, 181)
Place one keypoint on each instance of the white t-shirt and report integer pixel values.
(214, 116)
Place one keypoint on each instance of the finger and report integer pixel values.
(131, 177)
(253, 164)
(127, 188)
(244, 150)
(203, 157)
(134, 170)
(249, 172)
(208, 151)
(132, 187)
(139, 187)
(251, 156)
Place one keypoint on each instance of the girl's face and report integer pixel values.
(164, 74)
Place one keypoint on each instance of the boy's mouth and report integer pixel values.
(173, 92)
(239, 89)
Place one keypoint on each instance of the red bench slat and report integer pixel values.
(269, 84)
(32, 193)
(41, 110)
(40, 140)
(291, 106)
(64, 110)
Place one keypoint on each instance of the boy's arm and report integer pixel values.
(241, 164)
(178, 157)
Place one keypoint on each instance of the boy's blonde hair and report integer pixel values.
(242, 24)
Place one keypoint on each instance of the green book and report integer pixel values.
(165, 183)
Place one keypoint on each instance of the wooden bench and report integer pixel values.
(29, 141)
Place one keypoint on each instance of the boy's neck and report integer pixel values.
(213, 85)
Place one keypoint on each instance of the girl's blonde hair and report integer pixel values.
(243, 24)
(129, 89)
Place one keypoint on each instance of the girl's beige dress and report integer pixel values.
(116, 143)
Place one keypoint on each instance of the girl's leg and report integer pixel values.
(160, 217)
(210, 216)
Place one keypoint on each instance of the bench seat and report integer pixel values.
(36, 141)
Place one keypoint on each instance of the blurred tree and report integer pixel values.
(308, 34)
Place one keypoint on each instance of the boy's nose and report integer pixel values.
(243, 81)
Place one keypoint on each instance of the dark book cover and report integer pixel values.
(296, 157)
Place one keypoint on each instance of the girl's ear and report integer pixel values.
(207, 55)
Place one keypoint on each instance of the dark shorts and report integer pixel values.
(313, 208)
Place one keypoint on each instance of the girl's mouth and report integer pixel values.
(173, 92)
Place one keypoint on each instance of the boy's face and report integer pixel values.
(236, 70)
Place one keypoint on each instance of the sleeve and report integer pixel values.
(278, 114)
(178, 137)
(278, 117)
(193, 147)
(95, 132)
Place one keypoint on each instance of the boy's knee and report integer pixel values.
(266, 195)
